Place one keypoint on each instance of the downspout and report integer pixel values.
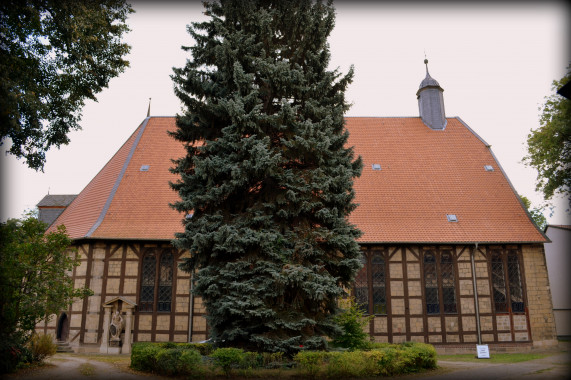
(472, 253)
(190, 308)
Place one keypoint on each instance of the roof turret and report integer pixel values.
(431, 102)
(428, 81)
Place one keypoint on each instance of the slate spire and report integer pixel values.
(431, 102)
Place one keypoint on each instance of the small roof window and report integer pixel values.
(489, 168)
(376, 166)
(145, 168)
(452, 217)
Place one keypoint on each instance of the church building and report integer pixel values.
(450, 255)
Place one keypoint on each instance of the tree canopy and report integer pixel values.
(55, 54)
(34, 278)
(536, 213)
(549, 146)
(267, 182)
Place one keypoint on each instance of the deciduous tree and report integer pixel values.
(267, 181)
(34, 279)
(54, 54)
(549, 146)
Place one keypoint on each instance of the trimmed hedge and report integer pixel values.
(387, 360)
(167, 358)
(384, 359)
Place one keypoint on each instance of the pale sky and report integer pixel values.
(494, 62)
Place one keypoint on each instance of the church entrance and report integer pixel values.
(62, 333)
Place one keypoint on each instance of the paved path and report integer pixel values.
(67, 367)
(556, 366)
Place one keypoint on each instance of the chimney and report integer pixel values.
(431, 102)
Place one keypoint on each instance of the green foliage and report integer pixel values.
(53, 56)
(267, 175)
(311, 362)
(536, 213)
(227, 358)
(171, 359)
(167, 361)
(34, 280)
(42, 346)
(549, 146)
(144, 356)
(352, 322)
(205, 349)
(390, 360)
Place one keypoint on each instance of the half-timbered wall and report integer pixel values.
(415, 292)
(426, 294)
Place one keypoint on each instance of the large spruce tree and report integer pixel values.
(267, 179)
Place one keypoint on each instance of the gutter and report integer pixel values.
(472, 253)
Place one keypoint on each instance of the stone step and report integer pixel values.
(63, 347)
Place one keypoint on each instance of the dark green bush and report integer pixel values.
(189, 362)
(168, 361)
(205, 349)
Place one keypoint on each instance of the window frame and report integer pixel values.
(505, 254)
(367, 273)
(442, 308)
(160, 298)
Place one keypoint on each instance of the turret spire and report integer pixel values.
(431, 101)
(149, 110)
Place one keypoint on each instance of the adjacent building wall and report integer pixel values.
(558, 258)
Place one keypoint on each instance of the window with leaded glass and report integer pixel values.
(448, 282)
(361, 286)
(148, 283)
(514, 277)
(499, 283)
(165, 282)
(378, 275)
(431, 283)
(157, 281)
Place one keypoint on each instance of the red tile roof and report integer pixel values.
(425, 174)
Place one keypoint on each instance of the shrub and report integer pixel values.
(168, 361)
(41, 346)
(144, 356)
(352, 321)
(189, 361)
(347, 364)
(227, 357)
(310, 362)
(205, 349)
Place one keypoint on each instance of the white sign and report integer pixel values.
(483, 351)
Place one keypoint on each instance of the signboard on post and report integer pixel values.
(483, 351)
